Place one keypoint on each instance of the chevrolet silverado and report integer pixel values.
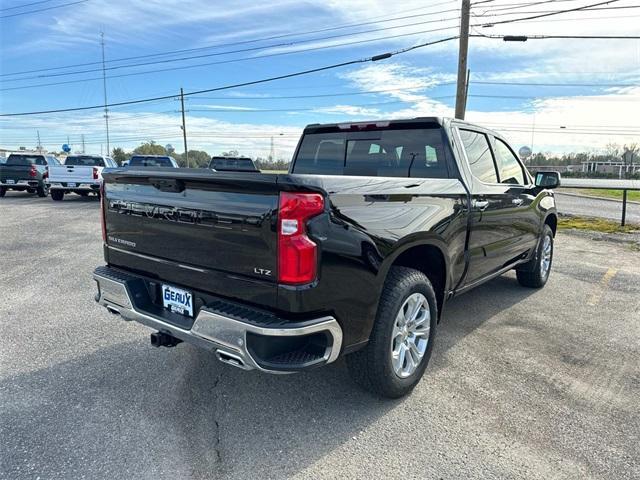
(26, 172)
(354, 252)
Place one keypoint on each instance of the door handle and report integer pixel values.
(480, 205)
(517, 201)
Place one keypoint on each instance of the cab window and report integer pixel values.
(509, 166)
(476, 146)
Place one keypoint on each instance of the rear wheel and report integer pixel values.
(401, 341)
(31, 190)
(43, 191)
(57, 195)
(83, 194)
(534, 274)
(3, 191)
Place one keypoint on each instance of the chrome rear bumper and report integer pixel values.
(222, 333)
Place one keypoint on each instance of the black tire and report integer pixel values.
(31, 190)
(43, 191)
(57, 195)
(531, 274)
(372, 367)
(83, 194)
(3, 191)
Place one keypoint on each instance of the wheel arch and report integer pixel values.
(552, 220)
(430, 256)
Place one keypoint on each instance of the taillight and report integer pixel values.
(103, 213)
(95, 173)
(34, 171)
(297, 253)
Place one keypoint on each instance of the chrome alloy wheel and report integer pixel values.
(410, 335)
(545, 261)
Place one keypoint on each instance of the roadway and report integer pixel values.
(594, 207)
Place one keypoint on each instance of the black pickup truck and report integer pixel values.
(354, 252)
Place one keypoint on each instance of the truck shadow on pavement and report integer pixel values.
(14, 198)
(132, 411)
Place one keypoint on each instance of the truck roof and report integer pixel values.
(383, 122)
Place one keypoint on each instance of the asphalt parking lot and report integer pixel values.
(522, 383)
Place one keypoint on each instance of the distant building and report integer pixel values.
(614, 167)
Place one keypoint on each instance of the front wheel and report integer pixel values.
(57, 195)
(401, 340)
(534, 274)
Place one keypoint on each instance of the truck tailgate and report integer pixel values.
(15, 172)
(71, 173)
(210, 231)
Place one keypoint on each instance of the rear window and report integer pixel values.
(26, 160)
(245, 164)
(407, 151)
(85, 160)
(150, 162)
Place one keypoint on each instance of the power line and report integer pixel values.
(253, 82)
(524, 38)
(542, 15)
(230, 44)
(270, 55)
(244, 50)
(43, 9)
(323, 95)
(513, 6)
(534, 84)
(24, 5)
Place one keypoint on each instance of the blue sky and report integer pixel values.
(413, 84)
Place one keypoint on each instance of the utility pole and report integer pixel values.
(82, 142)
(271, 151)
(104, 85)
(39, 144)
(184, 128)
(462, 59)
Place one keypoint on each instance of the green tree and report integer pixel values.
(119, 156)
(150, 148)
(197, 159)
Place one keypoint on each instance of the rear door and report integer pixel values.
(495, 238)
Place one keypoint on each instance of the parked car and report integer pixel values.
(152, 161)
(233, 164)
(26, 172)
(354, 252)
(81, 174)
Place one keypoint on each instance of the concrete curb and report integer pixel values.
(597, 198)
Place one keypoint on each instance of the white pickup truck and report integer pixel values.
(81, 174)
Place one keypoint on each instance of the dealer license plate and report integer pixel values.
(177, 300)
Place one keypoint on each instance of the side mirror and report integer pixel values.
(548, 179)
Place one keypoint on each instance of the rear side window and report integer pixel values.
(394, 152)
(150, 162)
(26, 160)
(85, 161)
(476, 146)
(510, 168)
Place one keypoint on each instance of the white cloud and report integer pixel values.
(613, 111)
